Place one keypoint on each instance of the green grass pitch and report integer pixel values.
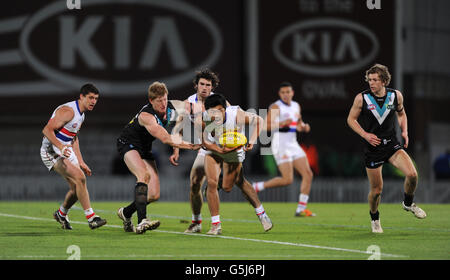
(339, 232)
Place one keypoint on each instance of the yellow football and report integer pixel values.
(232, 139)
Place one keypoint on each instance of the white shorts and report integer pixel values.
(287, 152)
(50, 155)
(203, 152)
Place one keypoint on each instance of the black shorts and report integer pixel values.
(374, 157)
(123, 147)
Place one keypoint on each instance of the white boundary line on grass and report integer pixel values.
(256, 221)
(224, 237)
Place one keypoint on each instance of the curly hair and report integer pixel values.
(206, 74)
(382, 71)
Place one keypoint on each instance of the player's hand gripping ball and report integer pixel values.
(232, 139)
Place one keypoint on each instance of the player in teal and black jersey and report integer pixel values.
(134, 146)
(373, 116)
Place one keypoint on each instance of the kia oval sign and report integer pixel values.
(121, 45)
(325, 46)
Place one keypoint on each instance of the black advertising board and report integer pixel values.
(323, 47)
(121, 46)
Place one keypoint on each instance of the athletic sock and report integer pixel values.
(215, 220)
(89, 213)
(258, 186)
(197, 219)
(63, 211)
(260, 211)
(408, 199)
(129, 210)
(302, 202)
(141, 190)
(375, 216)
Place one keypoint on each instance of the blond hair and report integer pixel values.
(157, 89)
(382, 71)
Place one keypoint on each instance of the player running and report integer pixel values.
(378, 108)
(205, 82)
(221, 118)
(60, 151)
(135, 148)
(285, 114)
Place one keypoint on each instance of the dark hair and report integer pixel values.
(206, 74)
(285, 84)
(382, 71)
(87, 88)
(214, 100)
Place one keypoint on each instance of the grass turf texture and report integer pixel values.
(339, 232)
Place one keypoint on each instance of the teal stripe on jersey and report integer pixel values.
(384, 107)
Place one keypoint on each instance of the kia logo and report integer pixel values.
(325, 46)
(160, 34)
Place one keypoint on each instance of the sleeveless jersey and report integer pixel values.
(229, 124)
(193, 99)
(216, 131)
(67, 133)
(136, 134)
(288, 133)
(378, 113)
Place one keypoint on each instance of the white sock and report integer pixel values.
(215, 220)
(197, 219)
(258, 186)
(302, 202)
(63, 211)
(89, 213)
(260, 210)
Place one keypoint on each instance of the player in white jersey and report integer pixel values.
(60, 151)
(205, 82)
(221, 118)
(287, 152)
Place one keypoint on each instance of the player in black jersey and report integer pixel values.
(135, 147)
(373, 117)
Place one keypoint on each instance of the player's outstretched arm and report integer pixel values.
(149, 122)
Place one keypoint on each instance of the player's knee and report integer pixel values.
(411, 175)
(80, 180)
(287, 180)
(212, 183)
(227, 187)
(376, 190)
(153, 197)
(309, 175)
